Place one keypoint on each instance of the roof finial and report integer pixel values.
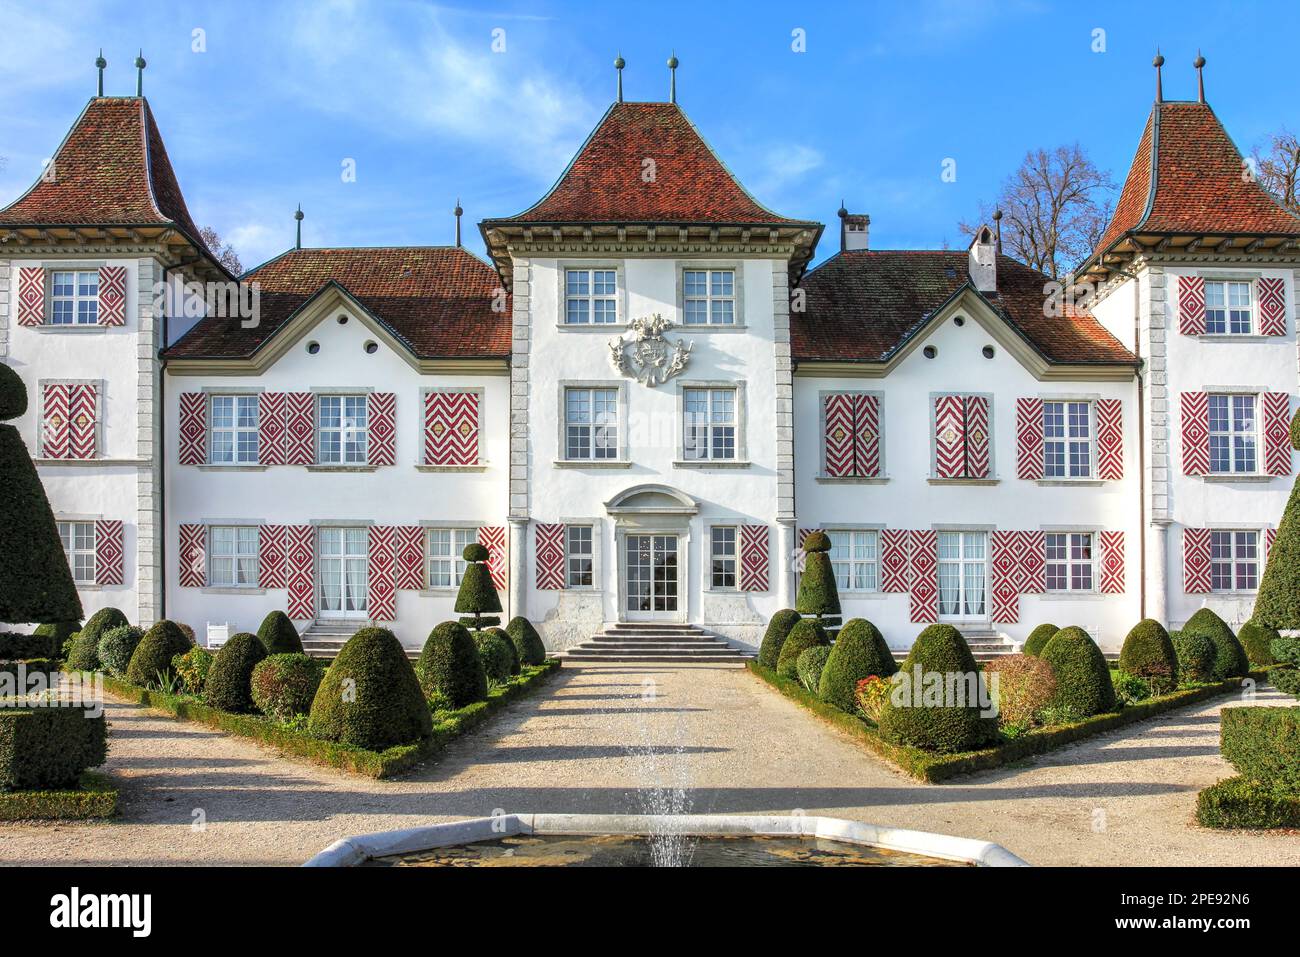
(619, 63)
(298, 216)
(1158, 62)
(672, 82)
(459, 212)
(997, 228)
(1199, 63)
(100, 63)
(139, 74)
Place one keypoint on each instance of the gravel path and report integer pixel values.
(713, 739)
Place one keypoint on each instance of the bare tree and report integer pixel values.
(1054, 209)
(1279, 169)
(224, 252)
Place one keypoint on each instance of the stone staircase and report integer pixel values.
(324, 638)
(652, 642)
(986, 646)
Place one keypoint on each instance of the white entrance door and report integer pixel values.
(652, 581)
(963, 577)
(344, 557)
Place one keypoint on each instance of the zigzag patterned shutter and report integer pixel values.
(493, 538)
(381, 599)
(1110, 440)
(1112, 563)
(410, 557)
(839, 435)
(1196, 561)
(866, 435)
(1276, 420)
(1191, 305)
(271, 569)
(271, 428)
(451, 431)
(83, 421)
(55, 425)
(893, 561)
(923, 576)
(1270, 536)
(31, 296)
(300, 561)
(800, 556)
(300, 431)
(949, 437)
(381, 416)
(550, 557)
(193, 444)
(1272, 306)
(1195, 427)
(1019, 567)
(753, 557)
(1029, 438)
(192, 556)
(109, 553)
(112, 295)
(978, 457)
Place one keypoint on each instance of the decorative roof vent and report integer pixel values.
(854, 229)
(984, 260)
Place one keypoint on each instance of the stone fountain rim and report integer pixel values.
(355, 850)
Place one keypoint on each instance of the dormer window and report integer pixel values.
(1227, 308)
(74, 297)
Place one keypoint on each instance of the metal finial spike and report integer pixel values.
(140, 64)
(298, 216)
(1199, 63)
(459, 212)
(672, 82)
(1158, 62)
(619, 63)
(100, 63)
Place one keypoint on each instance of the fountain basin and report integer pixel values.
(357, 850)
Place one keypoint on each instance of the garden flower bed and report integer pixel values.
(94, 797)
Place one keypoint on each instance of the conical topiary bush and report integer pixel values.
(527, 642)
(859, 652)
(151, 662)
(370, 697)
(229, 684)
(1229, 657)
(278, 635)
(817, 592)
(804, 635)
(1038, 639)
(777, 631)
(938, 697)
(1277, 603)
(450, 667)
(1083, 684)
(1149, 654)
(477, 595)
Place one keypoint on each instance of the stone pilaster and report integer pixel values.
(150, 529)
(5, 307)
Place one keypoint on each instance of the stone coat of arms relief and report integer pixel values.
(643, 353)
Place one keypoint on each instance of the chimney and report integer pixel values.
(853, 230)
(984, 260)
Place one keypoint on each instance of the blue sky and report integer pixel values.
(286, 92)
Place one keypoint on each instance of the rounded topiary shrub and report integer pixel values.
(804, 635)
(1149, 654)
(450, 666)
(13, 394)
(941, 712)
(370, 697)
(1257, 640)
(1195, 654)
(515, 663)
(777, 630)
(859, 652)
(116, 646)
(1083, 685)
(1229, 656)
(817, 592)
(83, 653)
(496, 653)
(101, 621)
(278, 635)
(1038, 639)
(230, 677)
(283, 686)
(527, 642)
(151, 662)
(192, 668)
(810, 664)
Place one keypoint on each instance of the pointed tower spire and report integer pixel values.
(1199, 63)
(100, 63)
(619, 63)
(459, 213)
(297, 244)
(1158, 62)
(672, 81)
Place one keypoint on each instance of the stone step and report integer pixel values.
(735, 658)
(660, 646)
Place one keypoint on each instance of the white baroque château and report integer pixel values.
(646, 399)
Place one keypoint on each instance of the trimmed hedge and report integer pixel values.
(1242, 803)
(57, 634)
(93, 796)
(278, 635)
(1149, 654)
(1229, 657)
(1257, 640)
(817, 592)
(450, 667)
(1038, 639)
(1195, 653)
(810, 664)
(1263, 744)
(1277, 604)
(49, 747)
(778, 629)
(284, 686)
(116, 647)
(370, 697)
(17, 647)
(859, 652)
(528, 643)
(1285, 680)
(1083, 684)
(153, 656)
(231, 675)
(497, 654)
(804, 635)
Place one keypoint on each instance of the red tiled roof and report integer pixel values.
(865, 304)
(605, 184)
(435, 299)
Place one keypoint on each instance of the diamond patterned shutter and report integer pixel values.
(56, 427)
(1277, 432)
(493, 538)
(1112, 563)
(31, 296)
(1272, 306)
(192, 556)
(1029, 438)
(109, 553)
(1019, 567)
(193, 445)
(112, 295)
(300, 430)
(381, 412)
(924, 561)
(1196, 561)
(381, 599)
(451, 431)
(272, 571)
(271, 432)
(753, 557)
(410, 557)
(893, 561)
(550, 557)
(83, 417)
(978, 456)
(1270, 536)
(1195, 427)
(1191, 305)
(1110, 440)
(949, 437)
(300, 540)
(839, 435)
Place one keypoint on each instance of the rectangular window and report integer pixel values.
(854, 559)
(78, 540)
(963, 576)
(590, 296)
(1067, 439)
(579, 557)
(1234, 561)
(590, 424)
(709, 297)
(445, 548)
(232, 556)
(709, 426)
(1227, 308)
(1233, 434)
(1069, 561)
(722, 555)
(234, 430)
(343, 430)
(74, 297)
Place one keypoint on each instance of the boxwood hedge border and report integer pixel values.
(94, 797)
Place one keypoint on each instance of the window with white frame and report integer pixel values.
(722, 556)
(590, 296)
(1233, 434)
(1067, 439)
(590, 423)
(446, 547)
(709, 297)
(1069, 561)
(232, 556)
(1234, 560)
(709, 426)
(1227, 308)
(78, 539)
(234, 430)
(343, 429)
(74, 297)
(579, 556)
(855, 559)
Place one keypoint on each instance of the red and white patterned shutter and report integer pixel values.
(1272, 306)
(1110, 440)
(753, 557)
(300, 561)
(978, 456)
(112, 295)
(1196, 561)
(192, 556)
(924, 574)
(110, 553)
(381, 416)
(1276, 419)
(271, 428)
(949, 437)
(1033, 563)
(1191, 305)
(493, 538)
(550, 557)
(1029, 438)
(1270, 536)
(31, 296)
(839, 435)
(801, 557)
(1019, 567)
(866, 435)
(56, 424)
(1112, 563)
(1196, 432)
(193, 445)
(271, 569)
(410, 557)
(83, 417)
(893, 561)
(451, 431)
(381, 598)
(300, 430)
